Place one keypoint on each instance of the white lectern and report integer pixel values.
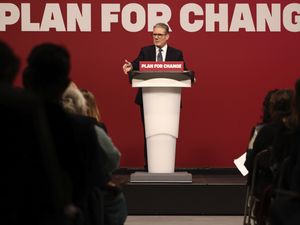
(161, 102)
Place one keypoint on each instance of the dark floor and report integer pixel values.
(215, 177)
(213, 192)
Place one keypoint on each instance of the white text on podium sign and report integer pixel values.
(148, 66)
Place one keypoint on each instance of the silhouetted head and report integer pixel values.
(47, 72)
(281, 104)
(9, 64)
(293, 120)
(266, 117)
(297, 98)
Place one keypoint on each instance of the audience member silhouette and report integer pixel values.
(265, 119)
(75, 141)
(280, 109)
(75, 103)
(115, 210)
(115, 204)
(280, 106)
(32, 183)
(9, 65)
(285, 209)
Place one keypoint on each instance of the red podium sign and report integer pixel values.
(150, 66)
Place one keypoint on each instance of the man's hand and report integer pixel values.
(127, 67)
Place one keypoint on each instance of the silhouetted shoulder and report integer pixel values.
(18, 99)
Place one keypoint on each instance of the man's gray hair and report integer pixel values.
(162, 25)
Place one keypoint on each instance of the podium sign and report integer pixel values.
(146, 66)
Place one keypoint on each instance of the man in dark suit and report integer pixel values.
(159, 51)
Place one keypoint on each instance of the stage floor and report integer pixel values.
(210, 193)
(204, 179)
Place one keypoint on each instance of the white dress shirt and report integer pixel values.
(163, 52)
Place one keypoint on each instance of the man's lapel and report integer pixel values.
(169, 53)
(153, 54)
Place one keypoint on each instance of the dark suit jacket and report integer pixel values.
(148, 53)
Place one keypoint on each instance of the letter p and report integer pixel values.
(9, 14)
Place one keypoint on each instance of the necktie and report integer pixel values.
(159, 55)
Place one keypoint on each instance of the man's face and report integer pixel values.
(160, 37)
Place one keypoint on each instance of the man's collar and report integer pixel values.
(163, 48)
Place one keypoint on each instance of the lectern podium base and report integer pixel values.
(177, 177)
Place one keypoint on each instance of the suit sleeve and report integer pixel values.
(136, 62)
(182, 59)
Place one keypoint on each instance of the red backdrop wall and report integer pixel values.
(234, 71)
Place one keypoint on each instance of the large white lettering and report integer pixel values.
(109, 15)
(212, 17)
(75, 16)
(140, 20)
(134, 17)
(9, 14)
(185, 13)
(264, 16)
(158, 13)
(52, 17)
(242, 18)
(26, 24)
(291, 12)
